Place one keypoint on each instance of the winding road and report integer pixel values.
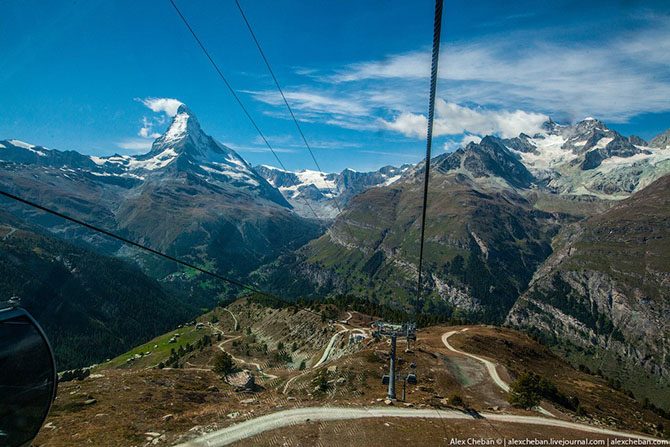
(236, 327)
(286, 418)
(490, 366)
(239, 360)
(292, 417)
(329, 348)
(290, 381)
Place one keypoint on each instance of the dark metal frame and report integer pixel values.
(17, 312)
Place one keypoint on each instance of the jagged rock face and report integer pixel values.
(489, 158)
(482, 200)
(522, 143)
(617, 147)
(278, 177)
(661, 141)
(596, 142)
(583, 159)
(243, 380)
(15, 151)
(190, 195)
(352, 182)
(589, 309)
(589, 159)
(607, 286)
(638, 141)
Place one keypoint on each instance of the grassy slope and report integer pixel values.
(383, 225)
(631, 242)
(159, 348)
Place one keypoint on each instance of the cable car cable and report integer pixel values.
(288, 106)
(437, 29)
(149, 249)
(237, 98)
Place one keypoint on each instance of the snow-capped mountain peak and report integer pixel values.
(186, 147)
(320, 189)
(184, 124)
(184, 152)
(585, 158)
(590, 158)
(184, 135)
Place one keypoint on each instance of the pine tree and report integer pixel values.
(224, 364)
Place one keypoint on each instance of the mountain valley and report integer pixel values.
(516, 230)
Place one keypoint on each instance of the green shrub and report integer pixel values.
(320, 382)
(456, 400)
(530, 388)
(224, 364)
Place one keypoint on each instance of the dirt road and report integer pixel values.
(490, 366)
(255, 426)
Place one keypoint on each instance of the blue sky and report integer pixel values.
(74, 73)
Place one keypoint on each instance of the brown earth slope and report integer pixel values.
(132, 403)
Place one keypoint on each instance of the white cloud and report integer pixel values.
(351, 110)
(453, 119)
(146, 129)
(468, 138)
(165, 105)
(311, 101)
(408, 124)
(135, 144)
(352, 123)
(409, 65)
(452, 145)
(495, 84)
(613, 79)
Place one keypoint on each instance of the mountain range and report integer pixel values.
(494, 208)
(323, 193)
(190, 196)
(519, 230)
(605, 292)
(502, 214)
(91, 306)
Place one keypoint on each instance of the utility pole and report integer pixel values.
(410, 334)
(393, 331)
(407, 348)
(391, 390)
